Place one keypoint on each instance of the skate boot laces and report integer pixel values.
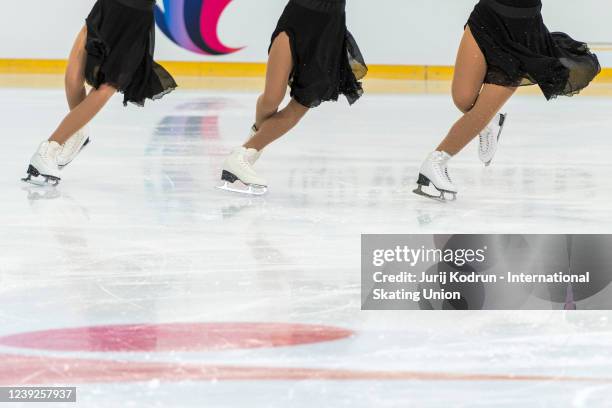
(447, 175)
(245, 163)
(49, 150)
(73, 141)
(440, 164)
(484, 139)
(44, 150)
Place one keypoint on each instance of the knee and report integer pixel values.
(463, 101)
(283, 37)
(107, 90)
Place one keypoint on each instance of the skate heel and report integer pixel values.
(232, 183)
(32, 171)
(423, 181)
(33, 174)
(228, 177)
(442, 194)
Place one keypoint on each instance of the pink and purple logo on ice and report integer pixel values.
(193, 25)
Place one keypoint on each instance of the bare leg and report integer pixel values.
(478, 103)
(491, 100)
(75, 73)
(470, 71)
(280, 65)
(83, 107)
(271, 123)
(83, 113)
(277, 125)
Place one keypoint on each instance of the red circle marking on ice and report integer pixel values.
(178, 337)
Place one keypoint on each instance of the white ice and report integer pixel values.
(137, 233)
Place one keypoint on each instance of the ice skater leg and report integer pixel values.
(74, 79)
(479, 103)
(489, 102)
(83, 113)
(270, 123)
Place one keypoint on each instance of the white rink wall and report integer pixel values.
(398, 32)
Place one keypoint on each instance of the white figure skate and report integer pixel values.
(238, 174)
(43, 169)
(434, 172)
(489, 138)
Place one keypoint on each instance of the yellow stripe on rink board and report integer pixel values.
(232, 69)
(32, 66)
(215, 69)
(251, 70)
(605, 76)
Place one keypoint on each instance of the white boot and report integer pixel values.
(43, 168)
(434, 171)
(239, 167)
(489, 138)
(73, 147)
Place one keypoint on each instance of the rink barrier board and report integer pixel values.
(252, 70)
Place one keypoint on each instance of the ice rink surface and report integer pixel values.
(144, 286)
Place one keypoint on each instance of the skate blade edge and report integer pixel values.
(248, 190)
(40, 183)
(34, 177)
(439, 198)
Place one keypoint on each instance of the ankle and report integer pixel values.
(56, 140)
(446, 151)
(249, 145)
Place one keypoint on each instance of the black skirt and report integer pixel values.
(327, 62)
(120, 47)
(520, 50)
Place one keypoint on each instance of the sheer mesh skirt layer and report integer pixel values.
(120, 48)
(327, 60)
(521, 51)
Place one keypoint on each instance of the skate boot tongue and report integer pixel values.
(53, 149)
(252, 155)
(441, 157)
(49, 150)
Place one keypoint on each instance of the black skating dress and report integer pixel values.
(520, 50)
(327, 61)
(120, 47)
